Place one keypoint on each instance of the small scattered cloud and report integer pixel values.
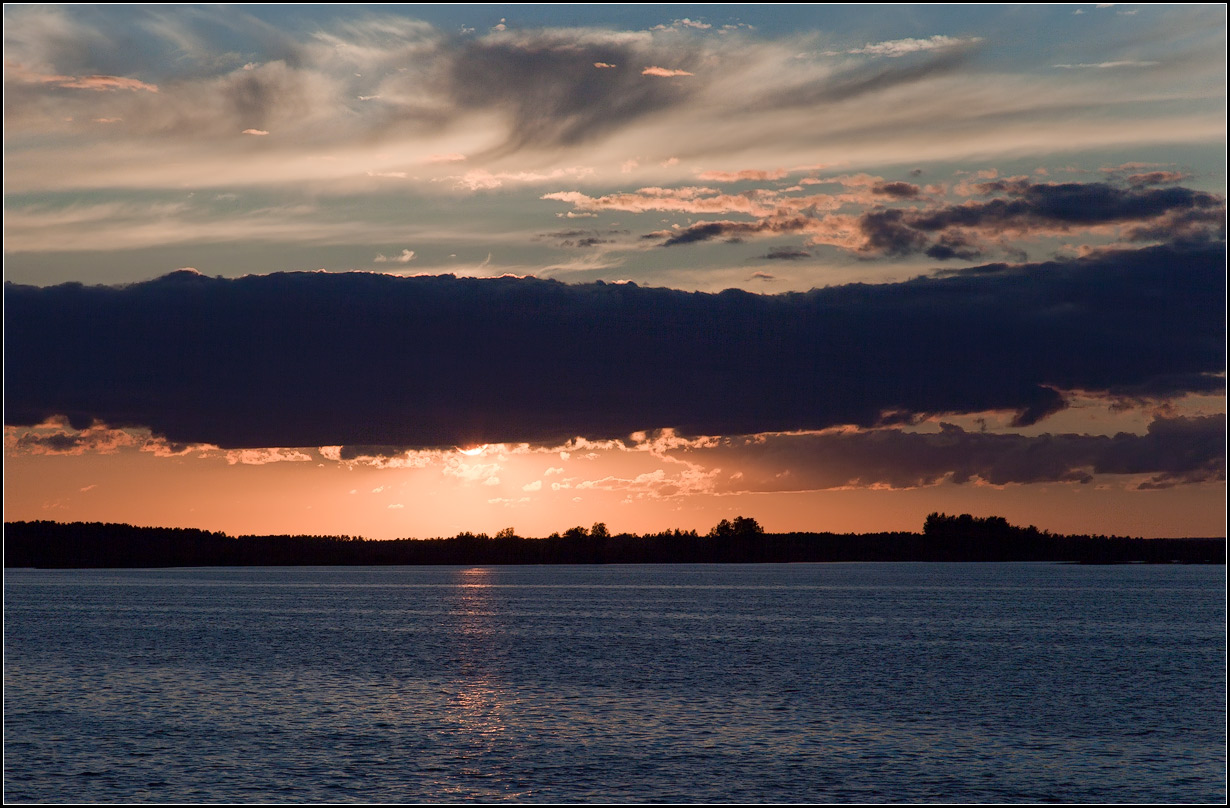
(664, 72)
(406, 257)
(257, 132)
(1157, 178)
(785, 254)
(261, 457)
(897, 190)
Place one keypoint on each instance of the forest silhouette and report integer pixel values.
(48, 544)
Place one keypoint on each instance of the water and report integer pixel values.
(687, 683)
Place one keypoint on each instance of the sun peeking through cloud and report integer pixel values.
(472, 451)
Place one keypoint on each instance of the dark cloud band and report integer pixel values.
(1173, 451)
(304, 359)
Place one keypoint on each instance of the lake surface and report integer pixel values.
(679, 683)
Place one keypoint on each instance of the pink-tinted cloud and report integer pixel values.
(741, 176)
(688, 199)
(105, 83)
(261, 457)
(16, 72)
(966, 231)
(663, 72)
(1157, 178)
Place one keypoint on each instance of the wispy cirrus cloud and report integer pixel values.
(17, 73)
(518, 101)
(741, 176)
(1129, 63)
(897, 48)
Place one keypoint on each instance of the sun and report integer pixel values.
(473, 450)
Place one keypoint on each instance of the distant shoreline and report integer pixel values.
(58, 545)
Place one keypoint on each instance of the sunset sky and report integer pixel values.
(410, 270)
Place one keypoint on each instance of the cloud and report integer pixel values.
(897, 48)
(1108, 65)
(897, 190)
(373, 359)
(260, 457)
(786, 254)
(546, 85)
(535, 95)
(482, 179)
(688, 199)
(582, 238)
(55, 439)
(664, 72)
(258, 132)
(684, 23)
(1040, 208)
(741, 176)
(406, 257)
(944, 231)
(55, 436)
(15, 72)
(104, 83)
(1157, 178)
(1173, 451)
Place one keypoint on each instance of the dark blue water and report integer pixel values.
(783, 683)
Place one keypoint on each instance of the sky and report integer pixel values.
(414, 270)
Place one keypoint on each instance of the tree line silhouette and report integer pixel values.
(943, 538)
